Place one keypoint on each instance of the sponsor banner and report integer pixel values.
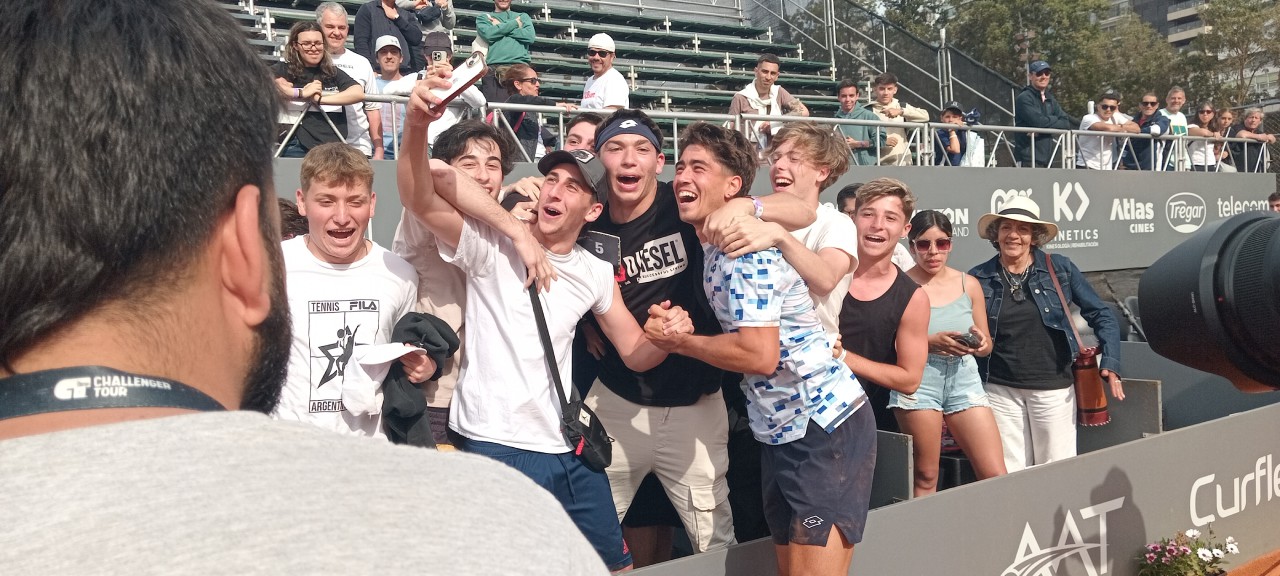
(1107, 220)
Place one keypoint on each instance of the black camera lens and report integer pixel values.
(1213, 302)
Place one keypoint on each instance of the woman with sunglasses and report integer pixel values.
(951, 389)
(310, 84)
(524, 86)
(1144, 153)
(1028, 374)
(1204, 153)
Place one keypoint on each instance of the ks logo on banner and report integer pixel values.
(1062, 202)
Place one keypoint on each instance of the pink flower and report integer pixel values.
(1153, 547)
(1151, 558)
(1186, 550)
(1165, 559)
(1171, 550)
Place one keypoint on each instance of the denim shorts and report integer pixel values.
(950, 384)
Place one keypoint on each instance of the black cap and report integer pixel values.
(591, 167)
(953, 105)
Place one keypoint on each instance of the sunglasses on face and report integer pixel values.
(600, 53)
(1150, 103)
(312, 44)
(1107, 106)
(1206, 111)
(1041, 73)
(534, 80)
(943, 244)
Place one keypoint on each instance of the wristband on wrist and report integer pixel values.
(759, 207)
(297, 92)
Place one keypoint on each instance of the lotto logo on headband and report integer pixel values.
(628, 124)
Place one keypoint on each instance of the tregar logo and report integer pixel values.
(1185, 212)
(1033, 560)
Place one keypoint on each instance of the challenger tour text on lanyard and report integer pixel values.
(90, 387)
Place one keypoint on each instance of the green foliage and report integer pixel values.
(1137, 59)
(1243, 35)
(1066, 35)
(924, 18)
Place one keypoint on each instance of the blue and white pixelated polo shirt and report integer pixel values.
(762, 289)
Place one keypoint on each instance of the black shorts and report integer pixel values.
(821, 480)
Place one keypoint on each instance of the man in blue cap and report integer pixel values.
(1035, 107)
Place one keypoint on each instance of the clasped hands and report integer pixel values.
(668, 326)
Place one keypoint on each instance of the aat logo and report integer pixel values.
(1185, 212)
(1034, 560)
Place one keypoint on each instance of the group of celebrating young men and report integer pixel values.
(695, 287)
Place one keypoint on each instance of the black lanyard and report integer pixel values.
(90, 387)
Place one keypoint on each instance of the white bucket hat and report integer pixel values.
(1022, 209)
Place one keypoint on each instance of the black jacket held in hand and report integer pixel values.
(404, 408)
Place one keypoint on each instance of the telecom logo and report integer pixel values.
(1185, 212)
(1033, 560)
(1000, 197)
(1062, 194)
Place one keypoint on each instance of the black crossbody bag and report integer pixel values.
(579, 424)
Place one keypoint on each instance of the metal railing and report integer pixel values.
(1166, 152)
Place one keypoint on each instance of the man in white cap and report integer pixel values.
(389, 54)
(364, 120)
(606, 88)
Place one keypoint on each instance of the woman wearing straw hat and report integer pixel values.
(1028, 374)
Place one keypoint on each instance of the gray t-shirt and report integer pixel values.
(239, 493)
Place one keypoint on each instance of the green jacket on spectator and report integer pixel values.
(870, 138)
(509, 40)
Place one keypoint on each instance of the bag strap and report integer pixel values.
(548, 353)
(1066, 310)
(518, 123)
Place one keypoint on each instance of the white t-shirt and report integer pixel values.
(610, 89)
(358, 68)
(470, 99)
(1202, 151)
(336, 307)
(832, 229)
(1098, 152)
(504, 393)
(390, 111)
(1177, 127)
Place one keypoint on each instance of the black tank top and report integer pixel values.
(870, 330)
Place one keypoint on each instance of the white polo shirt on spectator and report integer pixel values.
(1098, 152)
(610, 89)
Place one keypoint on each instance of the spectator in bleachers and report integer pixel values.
(503, 406)
(433, 15)
(889, 109)
(1175, 153)
(1204, 153)
(507, 36)
(806, 409)
(335, 262)
(1274, 201)
(950, 390)
(765, 97)
(1227, 126)
(485, 154)
(389, 58)
(523, 85)
(291, 222)
(950, 144)
(1035, 107)
(364, 120)
(312, 86)
(439, 55)
(1250, 158)
(865, 142)
(605, 89)
(1145, 153)
(885, 315)
(1028, 374)
(1099, 152)
(380, 18)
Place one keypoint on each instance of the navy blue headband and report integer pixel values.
(627, 126)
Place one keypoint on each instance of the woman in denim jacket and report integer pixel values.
(1028, 374)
